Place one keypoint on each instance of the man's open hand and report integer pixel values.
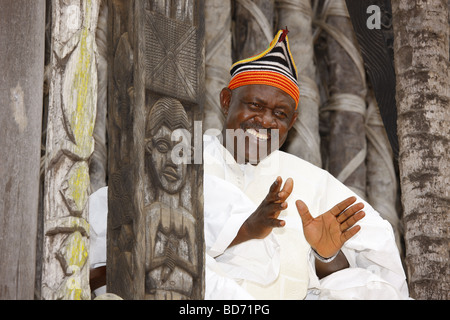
(328, 232)
(265, 218)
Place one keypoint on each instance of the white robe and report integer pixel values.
(280, 266)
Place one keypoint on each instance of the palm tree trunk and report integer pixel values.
(421, 47)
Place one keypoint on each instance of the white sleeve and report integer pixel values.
(98, 220)
(226, 208)
(218, 286)
(376, 271)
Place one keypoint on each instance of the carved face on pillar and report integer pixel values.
(163, 154)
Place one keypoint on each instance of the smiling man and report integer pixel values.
(306, 238)
(276, 226)
(258, 118)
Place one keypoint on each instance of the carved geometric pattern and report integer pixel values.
(73, 254)
(74, 188)
(171, 61)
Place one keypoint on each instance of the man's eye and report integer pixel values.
(254, 105)
(280, 114)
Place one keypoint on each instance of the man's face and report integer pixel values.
(260, 111)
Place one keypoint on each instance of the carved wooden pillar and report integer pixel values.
(304, 140)
(98, 162)
(347, 92)
(22, 31)
(253, 30)
(381, 177)
(71, 119)
(218, 59)
(155, 220)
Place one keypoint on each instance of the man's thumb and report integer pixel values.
(303, 210)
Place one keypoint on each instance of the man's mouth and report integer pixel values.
(264, 135)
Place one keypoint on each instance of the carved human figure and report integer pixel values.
(166, 116)
(171, 255)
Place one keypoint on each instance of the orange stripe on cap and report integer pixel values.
(269, 78)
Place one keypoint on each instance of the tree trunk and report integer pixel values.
(70, 144)
(22, 35)
(421, 47)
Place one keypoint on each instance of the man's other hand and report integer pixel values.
(328, 232)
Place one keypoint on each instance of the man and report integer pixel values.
(277, 227)
(304, 239)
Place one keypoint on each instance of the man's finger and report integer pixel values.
(350, 222)
(274, 189)
(341, 206)
(286, 191)
(349, 212)
(276, 223)
(273, 209)
(350, 233)
(304, 213)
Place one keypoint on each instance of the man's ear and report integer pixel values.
(225, 99)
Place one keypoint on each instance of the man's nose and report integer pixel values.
(266, 119)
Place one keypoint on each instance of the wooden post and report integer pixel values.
(71, 119)
(376, 49)
(382, 185)
(347, 106)
(155, 245)
(218, 59)
(381, 118)
(304, 140)
(98, 162)
(22, 35)
(253, 30)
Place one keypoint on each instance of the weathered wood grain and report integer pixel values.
(303, 140)
(70, 143)
(253, 27)
(22, 32)
(347, 90)
(218, 59)
(377, 52)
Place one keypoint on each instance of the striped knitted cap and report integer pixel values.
(274, 67)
